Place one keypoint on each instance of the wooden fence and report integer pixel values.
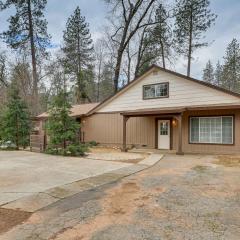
(37, 143)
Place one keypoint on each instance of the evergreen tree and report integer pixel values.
(231, 67)
(61, 127)
(106, 86)
(28, 31)
(15, 120)
(3, 70)
(78, 52)
(161, 35)
(208, 73)
(193, 18)
(218, 74)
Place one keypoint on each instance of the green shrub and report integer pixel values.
(71, 150)
(92, 143)
(52, 150)
(77, 150)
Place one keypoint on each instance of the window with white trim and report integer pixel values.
(158, 90)
(218, 130)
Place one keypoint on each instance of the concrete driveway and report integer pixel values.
(25, 173)
(191, 197)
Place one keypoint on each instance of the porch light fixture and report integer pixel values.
(174, 122)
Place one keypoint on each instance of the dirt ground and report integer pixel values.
(102, 149)
(229, 161)
(115, 154)
(192, 197)
(10, 218)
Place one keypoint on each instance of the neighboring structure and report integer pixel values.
(166, 110)
(38, 138)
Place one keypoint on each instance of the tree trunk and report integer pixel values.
(17, 134)
(33, 55)
(78, 97)
(163, 54)
(120, 52)
(117, 70)
(64, 144)
(129, 71)
(99, 78)
(140, 53)
(190, 44)
(79, 80)
(129, 65)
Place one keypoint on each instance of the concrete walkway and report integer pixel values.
(31, 181)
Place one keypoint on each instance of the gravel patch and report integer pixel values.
(125, 232)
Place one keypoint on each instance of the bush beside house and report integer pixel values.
(62, 129)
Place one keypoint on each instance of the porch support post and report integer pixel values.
(125, 118)
(179, 149)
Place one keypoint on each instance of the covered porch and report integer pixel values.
(168, 126)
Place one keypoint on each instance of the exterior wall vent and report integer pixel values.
(155, 73)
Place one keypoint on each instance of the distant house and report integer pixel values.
(163, 109)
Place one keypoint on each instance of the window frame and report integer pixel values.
(154, 84)
(212, 116)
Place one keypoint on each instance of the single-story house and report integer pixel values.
(77, 112)
(163, 109)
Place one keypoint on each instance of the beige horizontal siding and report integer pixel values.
(182, 92)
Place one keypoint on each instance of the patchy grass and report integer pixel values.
(200, 168)
(228, 161)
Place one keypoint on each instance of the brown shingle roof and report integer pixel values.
(76, 110)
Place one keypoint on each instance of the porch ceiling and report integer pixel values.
(162, 111)
(177, 111)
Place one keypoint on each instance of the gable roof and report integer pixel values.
(148, 71)
(76, 110)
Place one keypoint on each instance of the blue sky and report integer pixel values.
(227, 26)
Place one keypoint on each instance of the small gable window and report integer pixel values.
(159, 90)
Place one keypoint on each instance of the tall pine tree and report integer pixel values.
(231, 67)
(161, 35)
(208, 73)
(78, 52)
(218, 74)
(193, 18)
(15, 125)
(28, 31)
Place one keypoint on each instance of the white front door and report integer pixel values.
(163, 134)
